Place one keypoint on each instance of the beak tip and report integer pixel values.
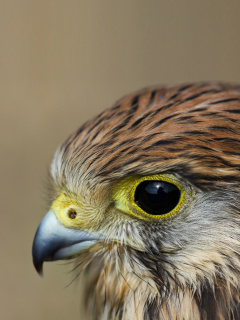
(40, 274)
(40, 271)
(39, 267)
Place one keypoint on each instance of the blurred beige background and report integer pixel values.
(61, 62)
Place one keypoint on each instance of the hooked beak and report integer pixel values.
(53, 241)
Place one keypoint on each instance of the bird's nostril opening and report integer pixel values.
(72, 213)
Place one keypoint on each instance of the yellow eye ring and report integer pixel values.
(124, 196)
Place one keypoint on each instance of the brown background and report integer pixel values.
(61, 62)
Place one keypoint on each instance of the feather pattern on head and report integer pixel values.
(182, 266)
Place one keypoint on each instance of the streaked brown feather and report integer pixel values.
(191, 130)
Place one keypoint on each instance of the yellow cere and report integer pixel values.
(124, 191)
(62, 207)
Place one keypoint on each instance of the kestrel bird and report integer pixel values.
(146, 200)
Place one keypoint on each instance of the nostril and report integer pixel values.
(72, 213)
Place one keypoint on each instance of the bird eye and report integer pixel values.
(157, 197)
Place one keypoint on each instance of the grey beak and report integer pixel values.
(53, 241)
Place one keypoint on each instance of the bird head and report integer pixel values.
(146, 200)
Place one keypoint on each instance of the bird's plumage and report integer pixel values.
(185, 265)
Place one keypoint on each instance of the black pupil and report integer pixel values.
(157, 197)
